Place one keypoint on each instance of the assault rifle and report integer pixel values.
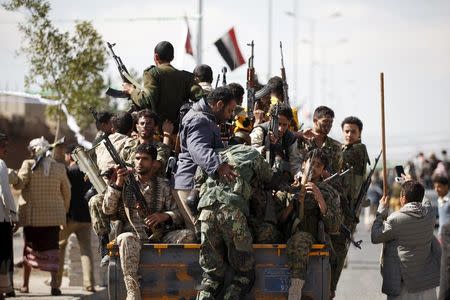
(299, 199)
(363, 191)
(273, 127)
(217, 81)
(137, 200)
(224, 76)
(251, 83)
(124, 74)
(283, 77)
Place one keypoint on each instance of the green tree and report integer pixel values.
(67, 66)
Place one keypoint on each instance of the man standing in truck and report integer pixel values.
(225, 234)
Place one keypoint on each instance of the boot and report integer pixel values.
(104, 252)
(133, 289)
(295, 290)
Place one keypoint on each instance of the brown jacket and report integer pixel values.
(45, 199)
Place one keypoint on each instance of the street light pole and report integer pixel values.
(199, 31)
(295, 56)
(311, 69)
(269, 41)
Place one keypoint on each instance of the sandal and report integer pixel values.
(24, 290)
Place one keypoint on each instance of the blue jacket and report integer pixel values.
(199, 137)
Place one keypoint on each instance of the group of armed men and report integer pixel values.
(238, 180)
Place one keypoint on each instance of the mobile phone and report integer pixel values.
(400, 171)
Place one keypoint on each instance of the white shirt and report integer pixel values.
(7, 204)
(443, 200)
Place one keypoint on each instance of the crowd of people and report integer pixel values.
(242, 176)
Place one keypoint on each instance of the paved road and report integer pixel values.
(361, 279)
(38, 288)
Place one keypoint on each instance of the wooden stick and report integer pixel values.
(383, 137)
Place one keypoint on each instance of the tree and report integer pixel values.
(67, 66)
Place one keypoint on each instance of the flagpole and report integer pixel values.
(199, 31)
(269, 42)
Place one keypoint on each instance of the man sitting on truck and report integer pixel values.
(161, 223)
(321, 204)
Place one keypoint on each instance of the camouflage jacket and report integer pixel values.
(129, 148)
(312, 214)
(104, 159)
(165, 89)
(250, 166)
(331, 147)
(158, 196)
(353, 156)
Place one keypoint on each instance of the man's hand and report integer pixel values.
(309, 134)
(259, 116)
(273, 139)
(226, 172)
(311, 188)
(128, 87)
(384, 201)
(156, 218)
(383, 207)
(167, 127)
(121, 175)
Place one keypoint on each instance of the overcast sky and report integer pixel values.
(408, 40)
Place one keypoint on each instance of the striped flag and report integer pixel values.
(187, 43)
(229, 49)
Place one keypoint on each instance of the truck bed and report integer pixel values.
(172, 272)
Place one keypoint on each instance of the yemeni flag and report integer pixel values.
(229, 49)
(187, 43)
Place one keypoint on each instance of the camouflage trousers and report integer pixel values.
(340, 249)
(265, 233)
(130, 252)
(100, 221)
(180, 236)
(225, 236)
(297, 251)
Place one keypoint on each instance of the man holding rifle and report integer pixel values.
(275, 139)
(164, 88)
(163, 212)
(320, 204)
(355, 158)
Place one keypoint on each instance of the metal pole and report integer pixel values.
(324, 76)
(199, 31)
(311, 71)
(383, 136)
(295, 68)
(269, 41)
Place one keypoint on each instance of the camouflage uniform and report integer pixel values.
(224, 230)
(159, 199)
(264, 214)
(130, 145)
(101, 222)
(104, 159)
(355, 156)
(165, 89)
(307, 232)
